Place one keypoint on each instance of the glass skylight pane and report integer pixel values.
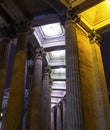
(59, 85)
(58, 73)
(59, 70)
(55, 100)
(52, 30)
(56, 93)
(58, 54)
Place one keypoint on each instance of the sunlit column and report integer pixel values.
(4, 49)
(45, 100)
(74, 105)
(102, 99)
(35, 106)
(15, 104)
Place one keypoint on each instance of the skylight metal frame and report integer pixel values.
(49, 42)
(41, 28)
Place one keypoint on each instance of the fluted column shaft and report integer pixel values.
(35, 108)
(52, 120)
(101, 89)
(59, 125)
(16, 96)
(45, 101)
(74, 106)
(3, 66)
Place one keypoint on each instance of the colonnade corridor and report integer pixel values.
(51, 70)
(35, 87)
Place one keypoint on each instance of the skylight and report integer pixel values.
(58, 74)
(55, 100)
(56, 93)
(52, 30)
(59, 70)
(58, 54)
(59, 85)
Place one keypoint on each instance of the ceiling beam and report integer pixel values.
(54, 48)
(59, 89)
(56, 96)
(59, 79)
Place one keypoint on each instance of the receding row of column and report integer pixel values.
(86, 99)
(15, 107)
(58, 116)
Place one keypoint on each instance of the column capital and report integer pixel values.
(39, 53)
(46, 72)
(94, 37)
(72, 16)
(50, 81)
(47, 69)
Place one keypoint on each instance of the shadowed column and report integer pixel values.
(35, 106)
(59, 127)
(74, 105)
(45, 101)
(64, 114)
(4, 46)
(52, 119)
(16, 96)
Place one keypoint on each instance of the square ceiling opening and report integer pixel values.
(52, 30)
(97, 16)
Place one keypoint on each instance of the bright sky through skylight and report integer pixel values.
(52, 30)
(55, 100)
(60, 70)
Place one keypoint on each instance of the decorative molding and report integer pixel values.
(94, 37)
(71, 15)
(47, 70)
(39, 53)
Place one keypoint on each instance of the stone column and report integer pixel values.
(4, 46)
(35, 106)
(45, 100)
(64, 114)
(52, 119)
(16, 97)
(74, 105)
(102, 99)
(58, 122)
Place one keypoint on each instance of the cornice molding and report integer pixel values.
(72, 16)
